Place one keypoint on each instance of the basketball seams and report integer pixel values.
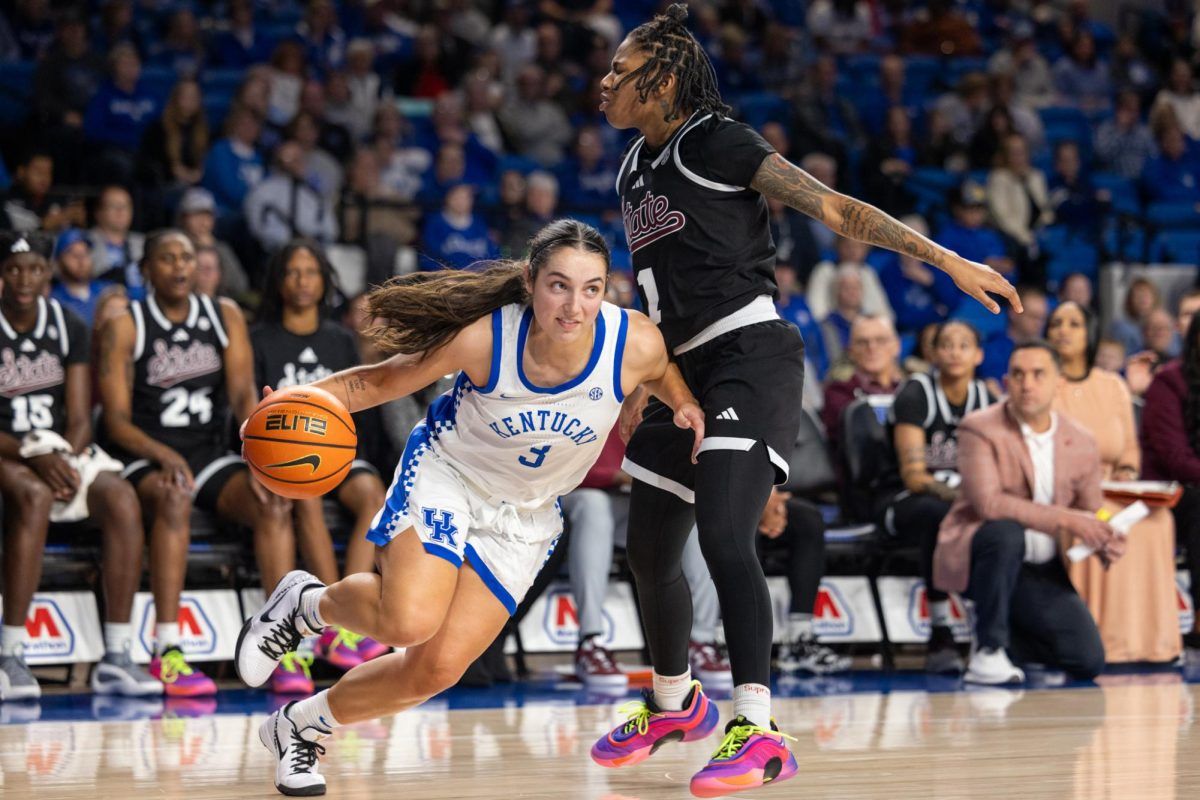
(331, 412)
(258, 438)
(266, 474)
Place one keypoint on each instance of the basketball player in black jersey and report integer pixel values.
(295, 343)
(171, 370)
(693, 189)
(45, 436)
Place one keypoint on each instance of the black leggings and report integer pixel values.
(915, 519)
(1187, 534)
(731, 490)
(804, 540)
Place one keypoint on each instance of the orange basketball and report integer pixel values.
(300, 442)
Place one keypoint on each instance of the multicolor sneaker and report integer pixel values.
(292, 675)
(370, 649)
(595, 666)
(339, 647)
(749, 756)
(648, 728)
(179, 678)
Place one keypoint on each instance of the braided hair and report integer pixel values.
(672, 50)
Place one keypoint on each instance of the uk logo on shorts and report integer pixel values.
(832, 615)
(440, 525)
(48, 633)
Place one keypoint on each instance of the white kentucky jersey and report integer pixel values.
(522, 444)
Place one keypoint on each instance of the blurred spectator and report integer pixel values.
(919, 294)
(1129, 70)
(401, 166)
(1141, 298)
(332, 137)
(782, 66)
(68, 76)
(116, 250)
(822, 293)
(587, 177)
(509, 207)
(1123, 144)
(322, 171)
(1030, 73)
(241, 43)
(941, 31)
(456, 236)
(968, 235)
(825, 119)
(964, 108)
(888, 163)
(364, 87)
(1171, 451)
(939, 148)
(323, 39)
(987, 144)
(795, 245)
(840, 27)
(1082, 78)
(561, 73)
(874, 354)
(736, 68)
(118, 115)
(208, 271)
(426, 74)
(115, 27)
(1021, 329)
(876, 103)
(284, 206)
(514, 40)
(233, 166)
(1181, 95)
(1174, 174)
(375, 218)
(31, 203)
(537, 128)
(1073, 197)
(1025, 119)
(480, 100)
(181, 49)
(594, 15)
(174, 145)
(1133, 601)
(285, 79)
(541, 203)
(1018, 200)
(197, 218)
(847, 307)
(1189, 304)
(448, 127)
(33, 28)
(1110, 355)
(824, 168)
(74, 285)
(1158, 334)
(449, 170)
(1076, 288)
(794, 308)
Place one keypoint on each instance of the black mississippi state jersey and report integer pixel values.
(33, 369)
(283, 359)
(699, 236)
(179, 394)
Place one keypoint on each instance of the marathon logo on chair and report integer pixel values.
(552, 624)
(844, 610)
(561, 619)
(1183, 593)
(906, 611)
(209, 622)
(918, 614)
(63, 628)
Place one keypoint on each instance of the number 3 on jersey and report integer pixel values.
(182, 405)
(536, 457)
(645, 279)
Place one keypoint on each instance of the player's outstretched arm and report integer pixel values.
(371, 385)
(784, 181)
(646, 366)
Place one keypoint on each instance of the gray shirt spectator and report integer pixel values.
(537, 128)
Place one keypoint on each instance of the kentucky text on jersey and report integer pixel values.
(542, 421)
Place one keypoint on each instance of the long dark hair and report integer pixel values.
(271, 309)
(421, 312)
(1191, 374)
(1091, 330)
(672, 50)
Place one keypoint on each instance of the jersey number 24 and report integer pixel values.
(184, 408)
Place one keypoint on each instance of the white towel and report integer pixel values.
(89, 463)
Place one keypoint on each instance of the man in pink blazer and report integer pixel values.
(1030, 487)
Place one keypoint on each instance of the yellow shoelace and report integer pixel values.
(737, 737)
(174, 664)
(349, 638)
(294, 662)
(638, 714)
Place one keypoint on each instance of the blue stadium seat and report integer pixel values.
(16, 87)
(758, 108)
(957, 67)
(1176, 247)
(1124, 193)
(1125, 243)
(1173, 215)
(221, 80)
(1067, 253)
(519, 163)
(922, 73)
(158, 81)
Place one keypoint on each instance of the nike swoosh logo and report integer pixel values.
(312, 460)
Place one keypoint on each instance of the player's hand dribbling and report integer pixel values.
(691, 416)
(631, 413)
(60, 476)
(978, 279)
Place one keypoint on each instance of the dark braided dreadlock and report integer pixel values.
(672, 50)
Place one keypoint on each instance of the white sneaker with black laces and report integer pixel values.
(296, 752)
(274, 630)
(809, 656)
(990, 666)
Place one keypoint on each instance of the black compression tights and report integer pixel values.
(731, 489)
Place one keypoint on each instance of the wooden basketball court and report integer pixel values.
(1132, 737)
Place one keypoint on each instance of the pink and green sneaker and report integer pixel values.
(749, 756)
(179, 678)
(648, 728)
(370, 649)
(292, 675)
(339, 647)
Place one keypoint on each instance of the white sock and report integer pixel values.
(800, 627)
(313, 712)
(671, 690)
(166, 634)
(753, 701)
(117, 637)
(939, 613)
(310, 601)
(11, 638)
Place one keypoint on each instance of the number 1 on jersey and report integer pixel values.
(645, 279)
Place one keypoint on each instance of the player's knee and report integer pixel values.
(120, 500)
(408, 630)
(440, 674)
(31, 496)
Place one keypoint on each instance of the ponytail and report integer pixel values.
(422, 311)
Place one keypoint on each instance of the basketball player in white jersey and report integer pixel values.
(543, 366)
